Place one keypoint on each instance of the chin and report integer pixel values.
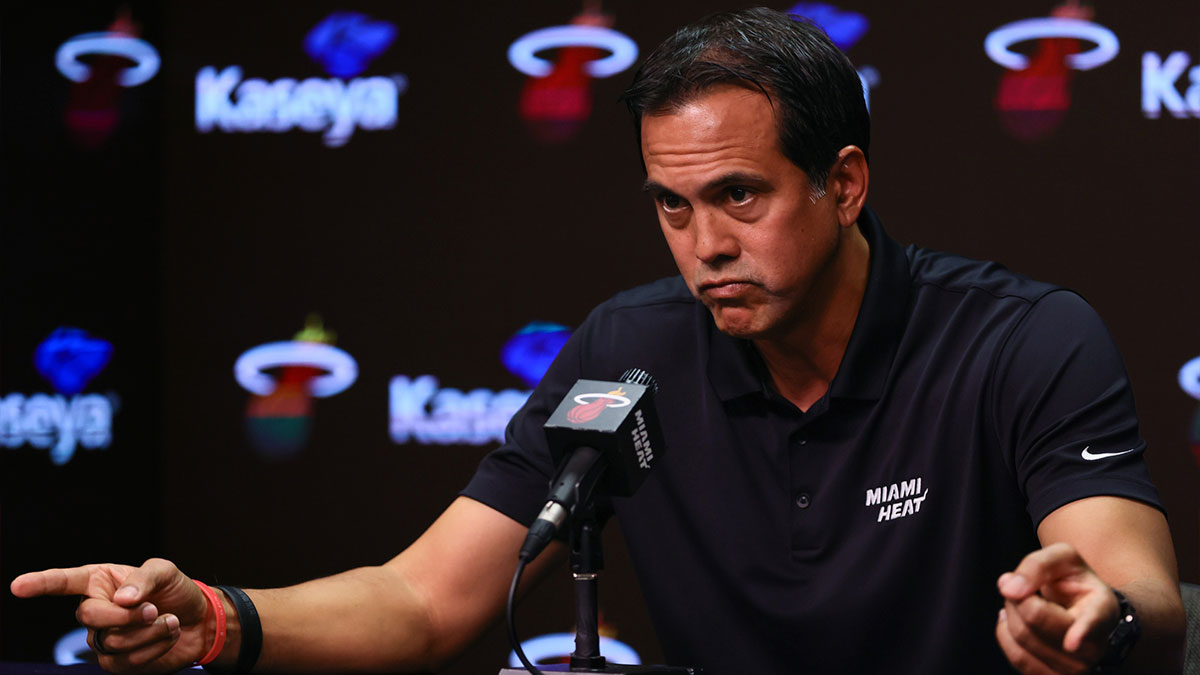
(745, 328)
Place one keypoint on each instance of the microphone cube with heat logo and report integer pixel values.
(616, 418)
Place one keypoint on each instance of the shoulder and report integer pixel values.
(953, 290)
(658, 304)
(657, 324)
(1005, 322)
(938, 272)
(656, 294)
(1031, 318)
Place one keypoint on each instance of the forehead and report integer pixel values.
(728, 127)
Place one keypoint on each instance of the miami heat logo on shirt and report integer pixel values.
(591, 405)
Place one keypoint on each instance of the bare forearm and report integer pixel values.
(367, 619)
(414, 613)
(1062, 593)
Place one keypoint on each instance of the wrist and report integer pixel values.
(1123, 636)
(228, 656)
(215, 623)
(240, 659)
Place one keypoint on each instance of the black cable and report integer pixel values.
(512, 626)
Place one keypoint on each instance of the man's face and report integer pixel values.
(738, 215)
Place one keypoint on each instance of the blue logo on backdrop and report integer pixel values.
(557, 647)
(72, 648)
(844, 27)
(346, 42)
(529, 353)
(70, 358)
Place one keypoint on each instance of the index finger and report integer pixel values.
(1039, 569)
(67, 581)
(1093, 616)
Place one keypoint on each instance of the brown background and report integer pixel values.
(426, 246)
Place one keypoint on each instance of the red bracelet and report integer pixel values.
(219, 610)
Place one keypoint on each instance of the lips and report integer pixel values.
(725, 288)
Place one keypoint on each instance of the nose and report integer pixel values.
(714, 240)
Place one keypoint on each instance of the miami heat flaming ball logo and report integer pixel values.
(557, 96)
(591, 405)
(279, 414)
(100, 65)
(1035, 91)
(619, 419)
(1189, 382)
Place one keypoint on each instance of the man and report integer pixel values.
(864, 438)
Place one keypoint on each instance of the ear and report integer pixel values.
(848, 179)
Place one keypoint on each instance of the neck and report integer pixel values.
(803, 358)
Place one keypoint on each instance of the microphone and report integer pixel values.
(603, 435)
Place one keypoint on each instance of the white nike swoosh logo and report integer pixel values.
(1094, 456)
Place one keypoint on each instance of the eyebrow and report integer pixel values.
(653, 186)
(732, 178)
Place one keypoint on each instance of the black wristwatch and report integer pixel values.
(1122, 638)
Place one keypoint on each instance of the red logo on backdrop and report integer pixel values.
(1035, 91)
(101, 64)
(556, 106)
(557, 97)
(283, 378)
(591, 405)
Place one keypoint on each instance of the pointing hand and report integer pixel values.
(148, 619)
(1057, 613)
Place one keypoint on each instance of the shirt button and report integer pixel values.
(803, 500)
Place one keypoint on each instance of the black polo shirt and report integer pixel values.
(866, 534)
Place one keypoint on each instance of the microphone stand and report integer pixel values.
(587, 561)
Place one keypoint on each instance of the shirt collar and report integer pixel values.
(735, 368)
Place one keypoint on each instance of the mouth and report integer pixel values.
(724, 288)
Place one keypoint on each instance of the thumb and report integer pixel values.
(140, 584)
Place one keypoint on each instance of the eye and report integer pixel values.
(739, 195)
(670, 201)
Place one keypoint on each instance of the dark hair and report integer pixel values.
(815, 91)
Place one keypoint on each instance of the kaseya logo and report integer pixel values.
(1035, 91)
(557, 97)
(283, 379)
(1162, 85)
(343, 44)
(68, 359)
(424, 413)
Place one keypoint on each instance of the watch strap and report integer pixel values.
(1122, 638)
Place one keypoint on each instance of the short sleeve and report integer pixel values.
(514, 478)
(1063, 407)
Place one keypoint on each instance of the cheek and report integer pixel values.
(678, 241)
(681, 250)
